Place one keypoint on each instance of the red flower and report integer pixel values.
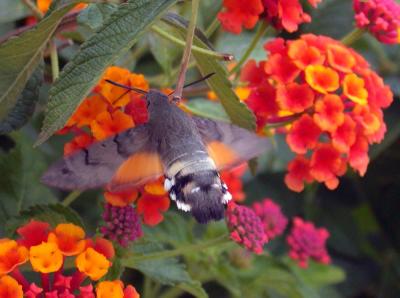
(233, 179)
(306, 241)
(33, 233)
(298, 173)
(282, 14)
(271, 216)
(331, 98)
(326, 164)
(153, 202)
(303, 135)
(246, 227)
(380, 17)
(240, 13)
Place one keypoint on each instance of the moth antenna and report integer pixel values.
(197, 81)
(127, 87)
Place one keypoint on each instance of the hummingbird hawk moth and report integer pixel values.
(188, 150)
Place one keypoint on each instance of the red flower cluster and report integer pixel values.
(273, 219)
(282, 14)
(47, 250)
(246, 227)
(307, 242)
(333, 98)
(380, 17)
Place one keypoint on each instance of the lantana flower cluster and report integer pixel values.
(47, 249)
(107, 111)
(380, 17)
(331, 96)
(281, 14)
(253, 227)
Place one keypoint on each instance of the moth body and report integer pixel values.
(191, 175)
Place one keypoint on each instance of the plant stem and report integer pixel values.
(213, 27)
(353, 36)
(71, 197)
(55, 67)
(37, 13)
(260, 32)
(191, 248)
(196, 49)
(186, 54)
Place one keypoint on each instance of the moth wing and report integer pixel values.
(136, 170)
(96, 165)
(229, 145)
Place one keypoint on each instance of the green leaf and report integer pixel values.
(52, 214)
(96, 14)
(20, 185)
(20, 56)
(25, 106)
(207, 109)
(165, 54)
(237, 111)
(174, 230)
(114, 38)
(167, 271)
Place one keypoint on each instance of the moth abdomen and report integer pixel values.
(200, 192)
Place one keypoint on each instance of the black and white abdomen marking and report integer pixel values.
(196, 187)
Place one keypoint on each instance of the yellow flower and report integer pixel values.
(46, 257)
(93, 264)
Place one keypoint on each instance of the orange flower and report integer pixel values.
(303, 55)
(9, 288)
(353, 88)
(88, 111)
(107, 124)
(115, 95)
(321, 78)
(340, 58)
(92, 263)
(69, 239)
(329, 112)
(110, 289)
(11, 255)
(294, 97)
(121, 199)
(46, 257)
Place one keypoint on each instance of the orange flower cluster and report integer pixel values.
(282, 14)
(109, 110)
(333, 99)
(47, 249)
